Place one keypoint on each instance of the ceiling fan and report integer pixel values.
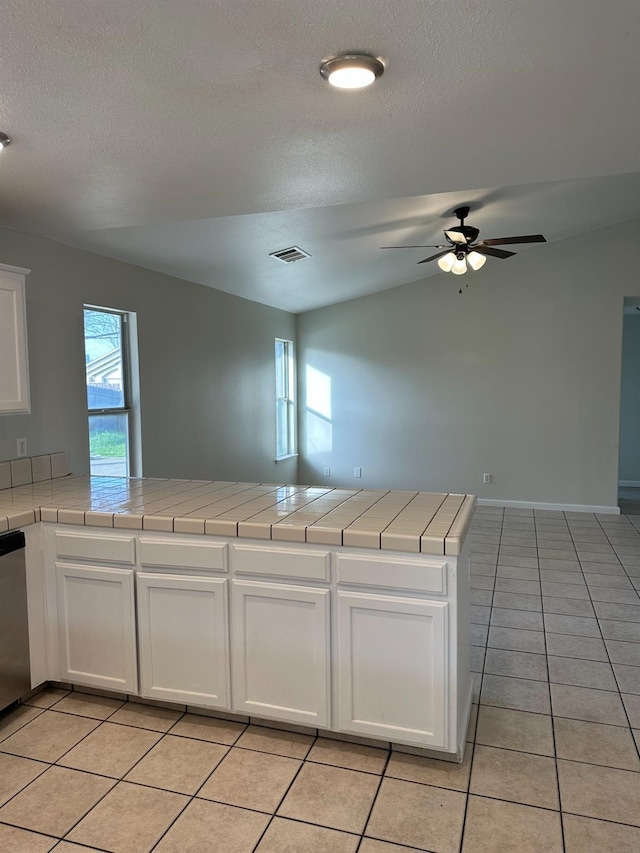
(461, 249)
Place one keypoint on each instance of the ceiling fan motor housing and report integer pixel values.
(468, 232)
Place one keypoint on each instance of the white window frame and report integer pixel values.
(289, 399)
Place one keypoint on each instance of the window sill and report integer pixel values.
(284, 458)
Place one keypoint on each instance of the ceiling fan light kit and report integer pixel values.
(463, 250)
(352, 70)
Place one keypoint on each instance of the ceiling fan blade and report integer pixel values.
(505, 241)
(456, 237)
(427, 246)
(488, 250)
(435, 257)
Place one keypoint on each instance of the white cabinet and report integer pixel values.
(96, 626)
(183, 639)
(14, 375)
(392, 679)
(280, 651)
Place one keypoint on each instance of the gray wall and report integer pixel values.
(519, 377)
(629, 470)
(206, 366)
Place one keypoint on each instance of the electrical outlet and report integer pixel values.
(327, 471)
(486, 479)
(21, 447)
(357, 472)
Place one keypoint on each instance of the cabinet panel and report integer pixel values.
(392, 672)
(183, 554)
(391, 572)
(106, 548)
(96, 619)
(280, 652)
(14, 376)
(183, 639)
(294, 563)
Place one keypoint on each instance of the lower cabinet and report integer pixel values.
(280, 651)
(183, 639)
(96, 626)
(392, 672)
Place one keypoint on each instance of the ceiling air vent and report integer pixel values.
(288, 256)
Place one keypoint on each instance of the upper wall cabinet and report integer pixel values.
(14, 366)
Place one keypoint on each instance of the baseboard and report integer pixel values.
(629, 484)
(605, 510)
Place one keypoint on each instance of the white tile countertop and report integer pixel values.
(417, 522)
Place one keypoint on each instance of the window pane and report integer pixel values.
(109, 445)
(103, 359)
(281, 369)
(282, 438)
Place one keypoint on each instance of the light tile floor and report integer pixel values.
(551, 764)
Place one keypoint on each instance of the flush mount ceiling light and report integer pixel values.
(4, 141)
(352, 70)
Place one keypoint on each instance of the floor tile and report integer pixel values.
(419, 816)
(621, 652)
(49, 736)
(208, 728)
(330, 796)
(518, 573)
(585, 703)
(632, 706)
(603, 593)
(516, 640)
(502, 662)
(370, 845)
(279, 742)
(55, 801)
(577, 625)
(482, 596)
(253, 780)
(515, 730)
(595, 743)
(110, 750)
(15, 840)
(178, 764)
(16, 773)
(516, 693)
(628, 678)
(145, 717)
(613, 610)
(582, 673)
(87, 705)
(479, 634)
(351, 756)
(528, 587)
(615, 630)
(494, 826)
(431, 771)
(15, 720)
(586, 835)
(505, 618)
(130, 819)
(600, 792)
(568, 645)
(480, 615)
(517, 776)
(46, 698)
(288, 836)
(565, 590)
(567, 606)
(517, 601)
(214, 828)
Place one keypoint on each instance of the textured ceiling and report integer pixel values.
(133, 119)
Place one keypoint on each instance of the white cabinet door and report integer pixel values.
(280, 652)
(96, 622)
(14, 373)
(183, 639)
(392, 668)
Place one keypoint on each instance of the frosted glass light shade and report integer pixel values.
(446, 262)
(476, 260)
(352, 70)
(459, 267)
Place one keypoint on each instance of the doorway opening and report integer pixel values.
(629, 454)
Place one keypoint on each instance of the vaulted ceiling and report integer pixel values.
(196, 137)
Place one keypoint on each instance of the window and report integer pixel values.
(107, 367)
(285, 400)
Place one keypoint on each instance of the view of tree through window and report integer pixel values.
(107, 393)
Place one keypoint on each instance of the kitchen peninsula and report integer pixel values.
(338, 609)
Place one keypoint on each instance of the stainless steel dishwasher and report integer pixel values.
(15, 679)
